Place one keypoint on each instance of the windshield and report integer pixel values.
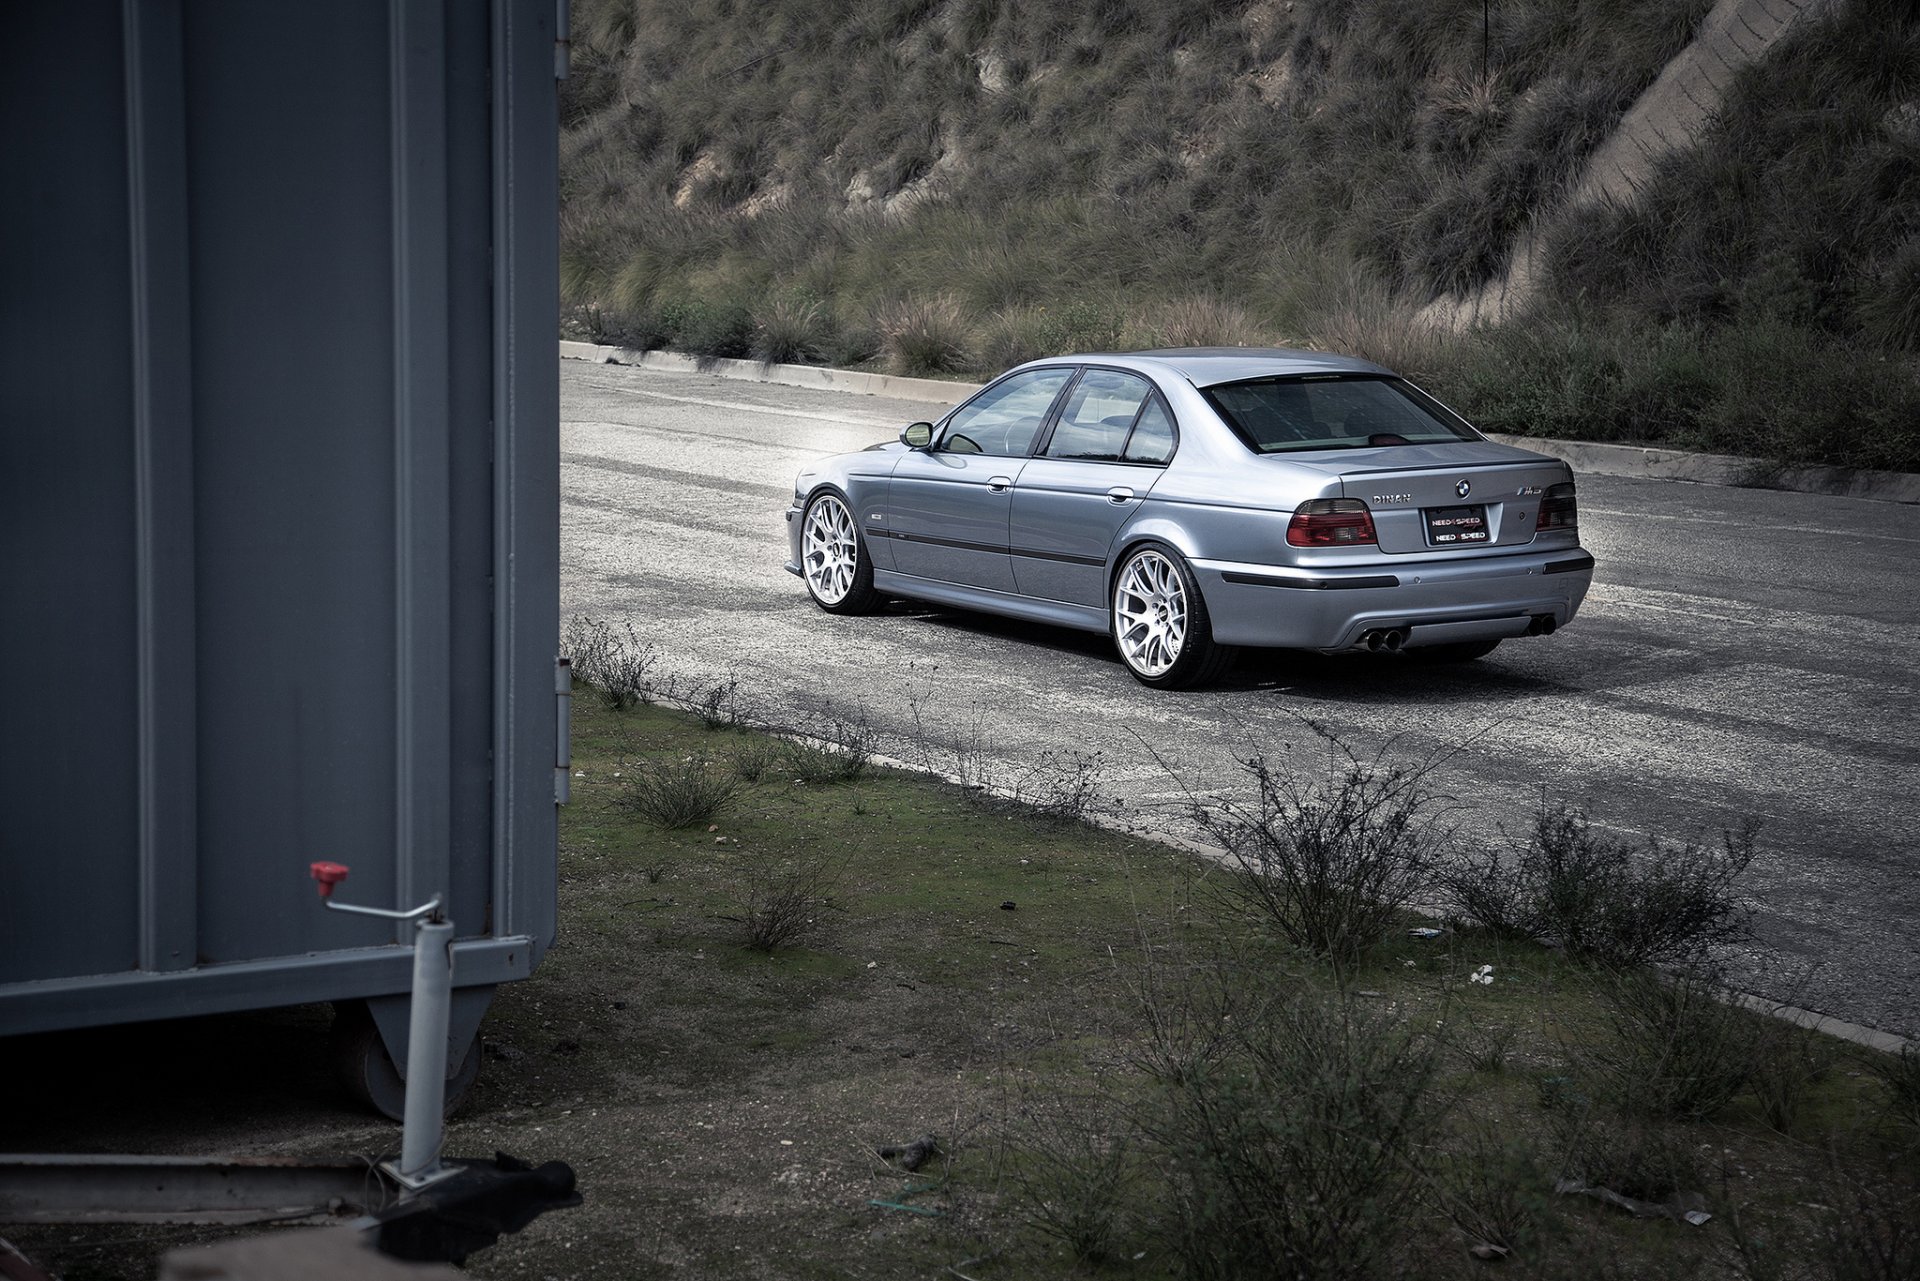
(1333, 411)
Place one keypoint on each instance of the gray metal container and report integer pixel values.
(278, 500)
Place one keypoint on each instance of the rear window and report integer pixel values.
(1284, 415)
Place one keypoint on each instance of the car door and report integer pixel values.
(1107, 448)
(947, 505)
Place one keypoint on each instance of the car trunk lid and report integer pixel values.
(1439, 498)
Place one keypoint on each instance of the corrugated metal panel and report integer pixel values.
(278, 496)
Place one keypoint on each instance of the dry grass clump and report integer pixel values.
(791, 331)
(676, 792)
(1201, 321)
(925, 336)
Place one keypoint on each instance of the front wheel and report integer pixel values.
(1160, 622)
(834, 559)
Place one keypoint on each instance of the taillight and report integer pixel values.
(1558, 509)
(1331, 522)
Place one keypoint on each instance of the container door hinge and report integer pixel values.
(562, 38)
(563, 731)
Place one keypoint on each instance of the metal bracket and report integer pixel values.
(563, 731)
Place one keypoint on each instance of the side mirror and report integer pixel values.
(917, 435)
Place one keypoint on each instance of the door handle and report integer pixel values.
(999, 484)
(1119, 494)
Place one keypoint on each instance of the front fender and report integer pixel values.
(863, 484)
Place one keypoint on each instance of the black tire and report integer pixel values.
(1455, 652)
(1159, 622)
(367, 1072)
(830, 537)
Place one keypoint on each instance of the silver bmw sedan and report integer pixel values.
(1192, 501)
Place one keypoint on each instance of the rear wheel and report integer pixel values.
(1455, 652)
(834, 559)
(1160, 622)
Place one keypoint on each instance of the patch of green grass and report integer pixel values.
(924, 1006)
(1095, 1063)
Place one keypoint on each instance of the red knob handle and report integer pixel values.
(329, 875)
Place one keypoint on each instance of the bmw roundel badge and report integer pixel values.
(1464, 488)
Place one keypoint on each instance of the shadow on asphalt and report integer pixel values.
(1358, 678)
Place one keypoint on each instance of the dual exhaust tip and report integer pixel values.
(1391, 639)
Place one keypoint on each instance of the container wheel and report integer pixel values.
(367, 1072)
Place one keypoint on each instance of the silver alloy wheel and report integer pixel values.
(829, 549)
(1150, 613)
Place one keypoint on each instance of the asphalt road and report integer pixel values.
(1743, 654)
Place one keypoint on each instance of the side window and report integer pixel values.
(1004, 420)
(1100, 410)
(1152, 439)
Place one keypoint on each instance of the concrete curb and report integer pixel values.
(1632, 461)
(1722, 469)
(932, 390)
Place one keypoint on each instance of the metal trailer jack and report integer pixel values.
(418, 1207)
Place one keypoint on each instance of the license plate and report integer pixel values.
(1451, 526)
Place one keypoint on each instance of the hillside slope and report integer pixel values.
(1673, 115)
(950, 186)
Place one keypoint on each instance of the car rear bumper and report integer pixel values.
(1432, 602)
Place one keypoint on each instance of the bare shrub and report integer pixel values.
(1061, 785)
(1646, 1158)
(1289, 1141)
(1057, 785)
(1605, 900)
(720, 706)
(1787, 1063)
(1492, 1186)
(1900, 1074)
(1874, 1234)
(1076, 1166)
(1331, 862)
(1679, 1047)
(781, 904)
(836, 746)
(1480, 1042)
(963, 756)
(616, 664)
(676, 792)
(924, 335)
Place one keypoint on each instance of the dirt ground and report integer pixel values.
(968, 967)
(722, 1107)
